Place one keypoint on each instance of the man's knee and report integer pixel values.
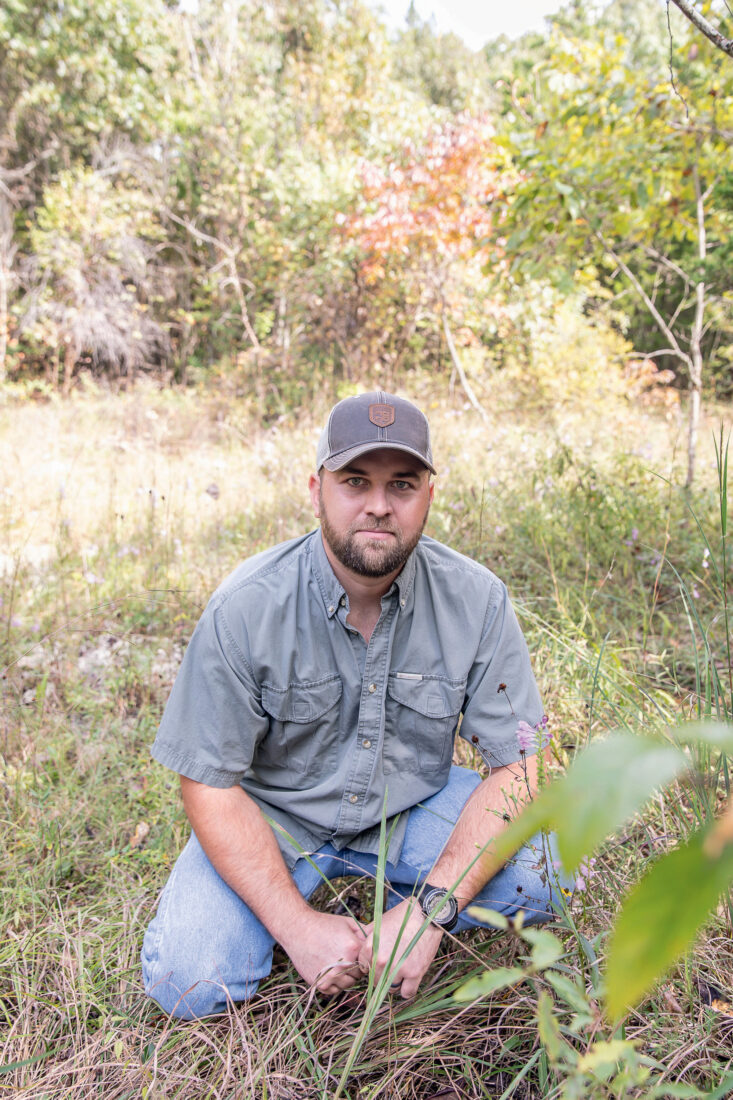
(188, 989)
(195, 975)
(194, 1000)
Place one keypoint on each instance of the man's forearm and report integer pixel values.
(242, 847)
(240, 844)
(482, 819)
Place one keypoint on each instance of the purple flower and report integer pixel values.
(526, 736)
(585, 873)
(532, 737)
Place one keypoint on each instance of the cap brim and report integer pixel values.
(337, 462)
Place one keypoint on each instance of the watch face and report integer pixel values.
(441, 910)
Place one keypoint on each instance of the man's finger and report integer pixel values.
(333, 985)
(409, 988)
(364, 960)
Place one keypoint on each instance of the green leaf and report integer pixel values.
(660, 918)
(722, 1091)
(488, 916)
(489, 982)
(666, 1091)
(549, 1030)
(606, 785)
(568, 991)
(546, 947)
(608, 1053)
(717, 735)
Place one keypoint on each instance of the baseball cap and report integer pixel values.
(369, 422)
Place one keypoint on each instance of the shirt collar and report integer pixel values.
(331, 588)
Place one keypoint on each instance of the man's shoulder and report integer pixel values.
(436, 557)
(272, 567)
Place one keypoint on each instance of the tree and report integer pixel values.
(92, 243)
(440, 67)
(623, 179)
(74, 76)
(428, 219)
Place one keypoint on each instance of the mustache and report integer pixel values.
(375, 525)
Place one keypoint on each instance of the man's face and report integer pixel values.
(373, 511)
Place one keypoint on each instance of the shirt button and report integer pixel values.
(342, 601)
(372, 688)
(353, 798)
(367, 743)
(331, 609)
(402, 603)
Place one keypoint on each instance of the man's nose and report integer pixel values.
(377, 502)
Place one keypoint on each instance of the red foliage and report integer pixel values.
(440, 201)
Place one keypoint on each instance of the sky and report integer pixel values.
(474, 21)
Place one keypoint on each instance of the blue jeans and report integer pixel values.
(205, 947)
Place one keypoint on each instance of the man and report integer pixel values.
(322, 687)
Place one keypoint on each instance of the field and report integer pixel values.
(119, 514)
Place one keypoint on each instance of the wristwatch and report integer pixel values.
(441, 909)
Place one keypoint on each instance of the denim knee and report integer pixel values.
(183, 988)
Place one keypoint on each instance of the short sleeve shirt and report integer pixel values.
(278, 693)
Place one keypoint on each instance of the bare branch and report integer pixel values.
(666, 262)
(655, 353)
(661, 323)
(698, 20)
(461, 373)
(229, 263)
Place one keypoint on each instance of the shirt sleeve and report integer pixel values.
(501, 690)
(213, 719)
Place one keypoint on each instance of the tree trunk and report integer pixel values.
(467, 388)
(69, 364)
(696, 365)
(3, 318)
(7, 250)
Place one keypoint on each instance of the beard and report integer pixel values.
(377, 559)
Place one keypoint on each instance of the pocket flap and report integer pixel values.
(301, 702)
(434, 698)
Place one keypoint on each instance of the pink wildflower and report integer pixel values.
(526, 736)
(585, 873)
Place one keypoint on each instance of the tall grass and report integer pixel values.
(118, 517)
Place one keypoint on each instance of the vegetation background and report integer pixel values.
(214, 224)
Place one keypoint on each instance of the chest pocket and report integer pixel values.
(304, 729)
(421, 718)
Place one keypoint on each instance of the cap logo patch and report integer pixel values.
(381, 415)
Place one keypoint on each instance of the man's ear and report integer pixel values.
(314, 488)
(432, 491)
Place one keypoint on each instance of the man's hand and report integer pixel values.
(324, 949)
(394, 940)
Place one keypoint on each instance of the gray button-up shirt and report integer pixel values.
(278, 693)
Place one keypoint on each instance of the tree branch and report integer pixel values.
(461, 373)
(661, 323)
(690, 12)
(229, 261)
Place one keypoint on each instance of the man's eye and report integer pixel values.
(402, 485)
(355, 481)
